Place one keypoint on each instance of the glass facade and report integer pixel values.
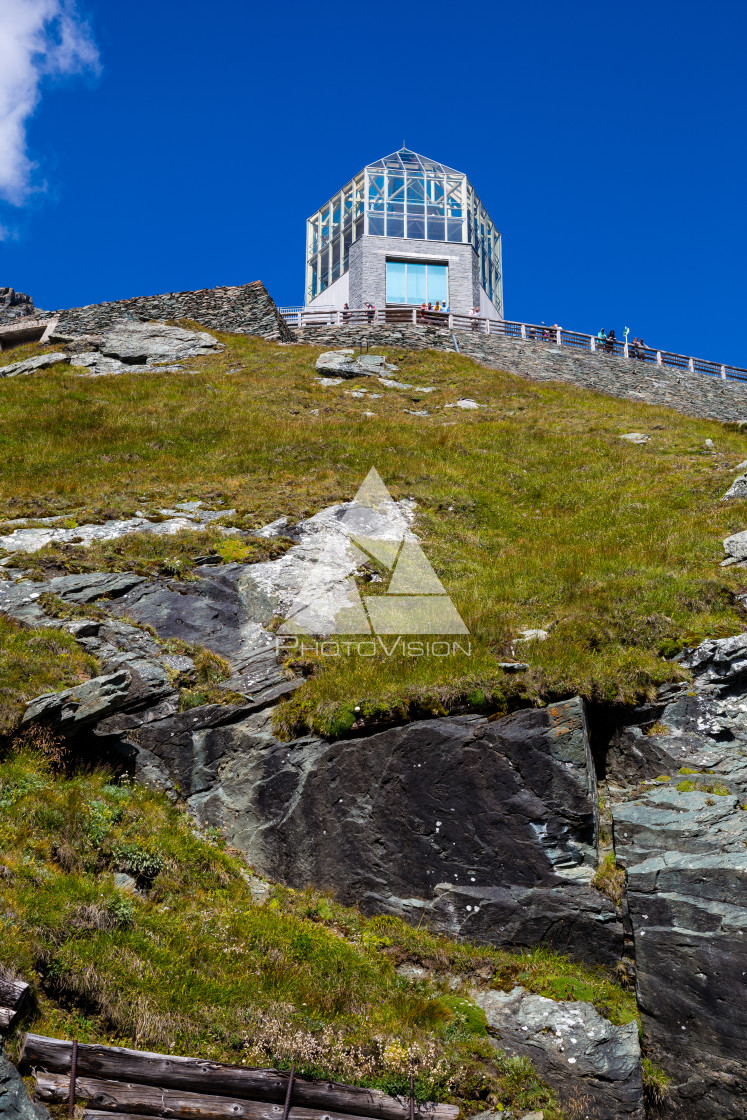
(413, 282)
(403, 195)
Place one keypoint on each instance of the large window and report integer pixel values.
(413, 282)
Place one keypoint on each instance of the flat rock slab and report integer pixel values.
(31, 540)
(586, 1059)
(30, 365)
(143, 345)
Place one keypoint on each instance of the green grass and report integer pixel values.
(532, 510)
(34, 661)
(195, 964)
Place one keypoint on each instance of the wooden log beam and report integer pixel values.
(122, 1098)
(13, 995)
(167, 1071)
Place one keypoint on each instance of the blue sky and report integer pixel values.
(607, 142)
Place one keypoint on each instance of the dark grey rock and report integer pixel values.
(133, 685)
(14, 1100)
(488, 828)
(590, 1063)
(681, 833)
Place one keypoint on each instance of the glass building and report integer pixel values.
(391, 205)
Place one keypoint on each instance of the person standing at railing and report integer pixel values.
(601, 339)
(642, 352)
(370, 311)
(346, 314)
(473, 314)
(423, 315)
(444, 308)
(611, 340)
(633, 352)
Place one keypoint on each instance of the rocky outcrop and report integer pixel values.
(14, 1100)
(594, 1066)
(187, 516)
(127, 345)
(459, 818)
(15, 305)
(681, 833)
(246, 309)
(346, 365)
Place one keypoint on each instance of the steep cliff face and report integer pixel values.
(679, 785)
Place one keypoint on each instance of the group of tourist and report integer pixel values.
(427, 310)
(607, 342)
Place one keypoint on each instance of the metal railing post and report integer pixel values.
(523, 331)
(691, 365)
(593, 343)
(658, 358)
(723, 373)
(557, 336)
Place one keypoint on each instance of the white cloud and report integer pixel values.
(38, 39)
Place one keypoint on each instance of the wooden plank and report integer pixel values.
(169, 1071)
(120, 1098)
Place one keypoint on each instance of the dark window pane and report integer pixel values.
(359, 228)
(376, 225)
(416, 228)
(436, 229)
(395, 227)
(454, 229)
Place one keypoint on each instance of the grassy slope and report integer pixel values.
(195, 965)
(532, 510)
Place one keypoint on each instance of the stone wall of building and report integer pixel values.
(694, 394)
(368, 257)
(246, 309)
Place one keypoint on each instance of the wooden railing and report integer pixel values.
(503, 328)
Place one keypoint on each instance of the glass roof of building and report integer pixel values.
(404, 159)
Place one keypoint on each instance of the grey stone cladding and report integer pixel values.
(369, 254)
(246, 309)
(694, 394)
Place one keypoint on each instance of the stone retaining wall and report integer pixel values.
(246, 309)
(694, 394)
